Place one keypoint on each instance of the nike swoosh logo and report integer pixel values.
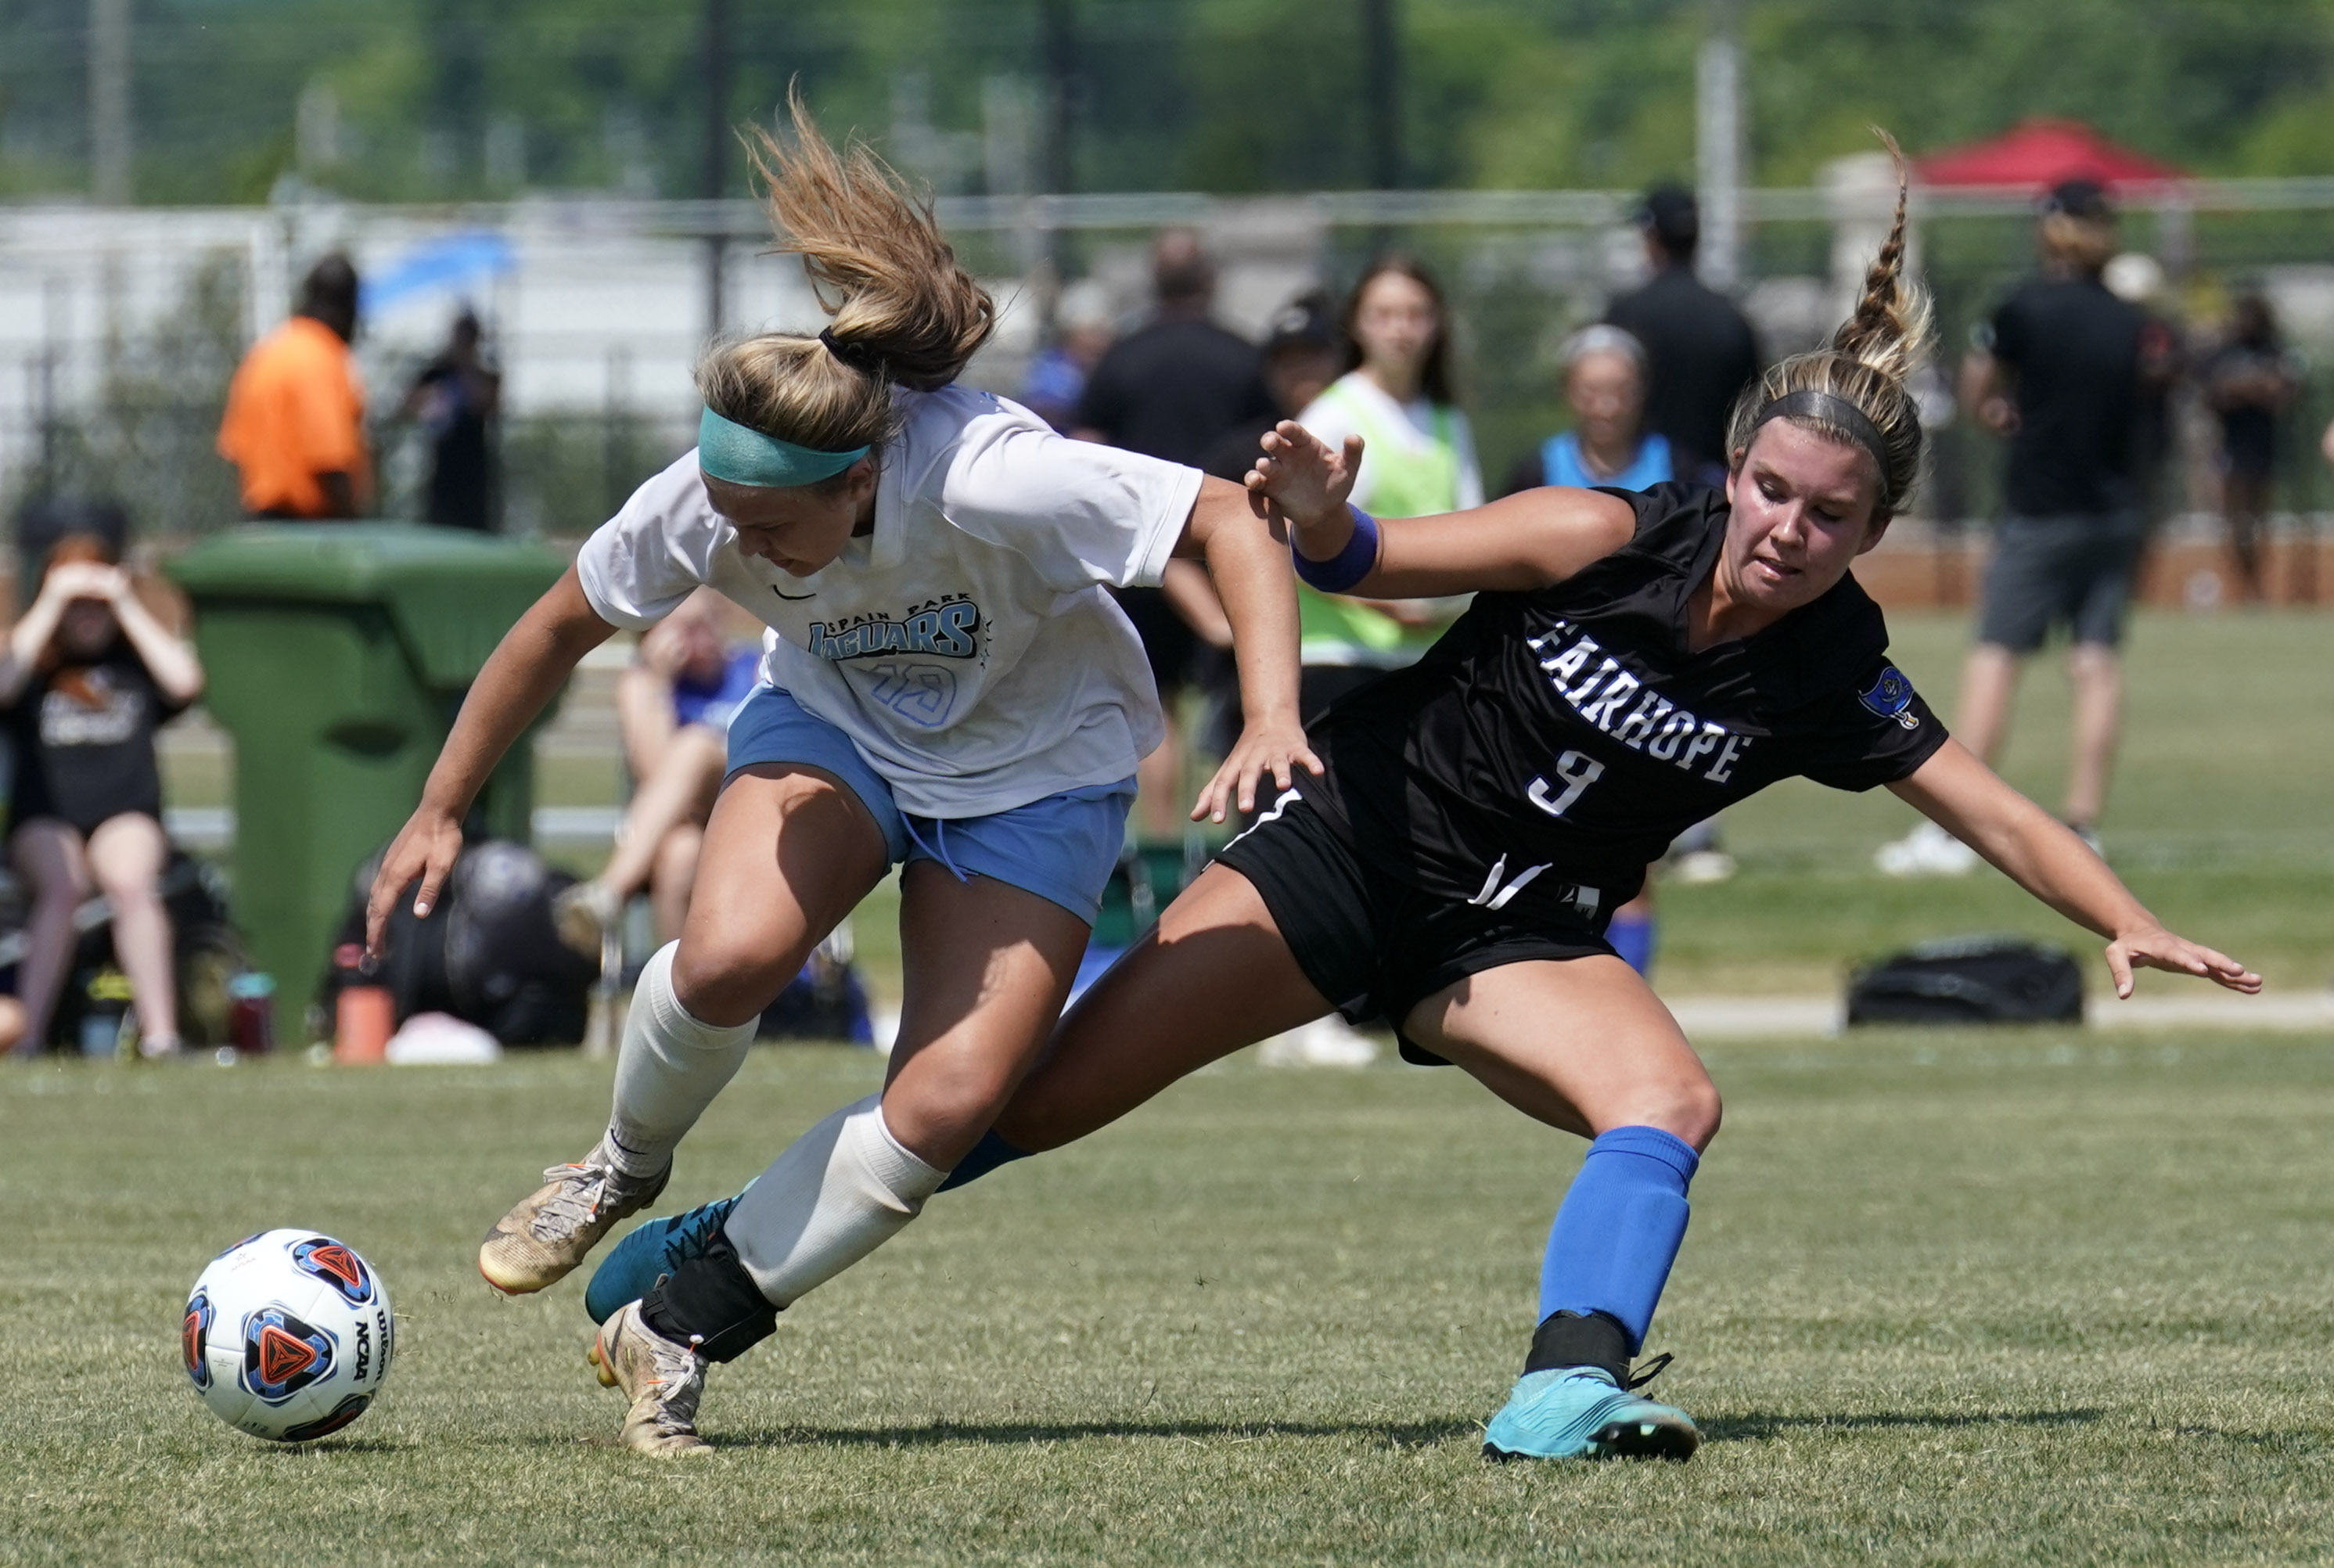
(792, 597)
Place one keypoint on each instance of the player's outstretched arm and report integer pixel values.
(527, 668)
(1249, 563)
(1522, 541)
(2042, 855)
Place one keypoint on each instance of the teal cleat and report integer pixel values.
(1584, 1413)
(653, 1250)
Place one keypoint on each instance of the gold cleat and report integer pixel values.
(554, 1228)
(663, 1379)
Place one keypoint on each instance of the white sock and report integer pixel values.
(668, 1071)
(839, 1191)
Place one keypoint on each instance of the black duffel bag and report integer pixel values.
(1969, 980)
(487, 953)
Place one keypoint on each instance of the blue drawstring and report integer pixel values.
(937, 850)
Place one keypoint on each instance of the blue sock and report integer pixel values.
(986, 1155)
(1618, 1229)
(1632, 939)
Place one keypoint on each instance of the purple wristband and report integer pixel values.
(1348, 566)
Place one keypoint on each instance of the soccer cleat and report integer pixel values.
(655, 1249)
(1585, 1413)
(662, 1377)
(537, 1243)
(1928, 851)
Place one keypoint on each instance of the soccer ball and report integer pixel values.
(288, 1335)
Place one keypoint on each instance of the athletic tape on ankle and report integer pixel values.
(712, 1302)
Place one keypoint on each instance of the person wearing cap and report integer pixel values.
(294, 421)
(2062, 370)
(1303, 352)
(1702, 350)
(1168, 390)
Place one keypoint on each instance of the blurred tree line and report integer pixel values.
(431, 100)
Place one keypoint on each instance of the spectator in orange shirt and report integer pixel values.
(294, 425)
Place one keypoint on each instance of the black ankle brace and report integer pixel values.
(711, 1300)
(1575, 1339)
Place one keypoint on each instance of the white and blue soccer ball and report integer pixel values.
(288, 1335)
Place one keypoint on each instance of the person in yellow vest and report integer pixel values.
(1418, 457)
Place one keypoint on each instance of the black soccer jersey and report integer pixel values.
(1566, 736)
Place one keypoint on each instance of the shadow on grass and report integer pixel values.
(1391, 1434)
(1757, 1427)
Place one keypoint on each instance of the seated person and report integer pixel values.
(673, 708)
(86, 678)
(1605, 378)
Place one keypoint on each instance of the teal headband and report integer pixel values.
(728, 450)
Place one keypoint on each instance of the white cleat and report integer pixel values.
(1928, 851)
(1328, 1042)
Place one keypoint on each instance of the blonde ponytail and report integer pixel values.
(1869, 363)
(905, 313)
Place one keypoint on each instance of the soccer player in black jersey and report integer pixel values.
(1631, 664)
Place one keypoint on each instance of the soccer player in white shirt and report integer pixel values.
(948, 685)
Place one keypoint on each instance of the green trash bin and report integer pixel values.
(338, 654)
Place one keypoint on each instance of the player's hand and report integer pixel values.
(426, 847)
(1274, 747)
(1304, 483)
(2154, 947)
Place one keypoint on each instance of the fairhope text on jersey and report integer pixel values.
(1653, 724)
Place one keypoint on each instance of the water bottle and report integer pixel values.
(251, 1013)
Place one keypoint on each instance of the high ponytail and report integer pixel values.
(905, 313)
(1869, 362)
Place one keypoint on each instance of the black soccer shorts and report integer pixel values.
(1374, 946)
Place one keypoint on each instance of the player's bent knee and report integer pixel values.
(1692, 1112)
(726, 983)
(1687, 1109)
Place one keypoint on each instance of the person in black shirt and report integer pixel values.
(1631, 662)
(1170, 390)
(2063, 370)
(456, 396)
(1702, 350)
(86, 678)
(2249, 384)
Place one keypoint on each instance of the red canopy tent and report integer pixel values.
(2041, 153)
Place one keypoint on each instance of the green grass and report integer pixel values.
(2019, 1297)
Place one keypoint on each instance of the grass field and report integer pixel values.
(2019, 1297)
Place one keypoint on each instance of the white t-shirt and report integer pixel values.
(967, 645)
(1412, 425)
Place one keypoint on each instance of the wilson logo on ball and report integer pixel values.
(347, 1410)
(193, 1337)
(336, 1265)
(281, 1355)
